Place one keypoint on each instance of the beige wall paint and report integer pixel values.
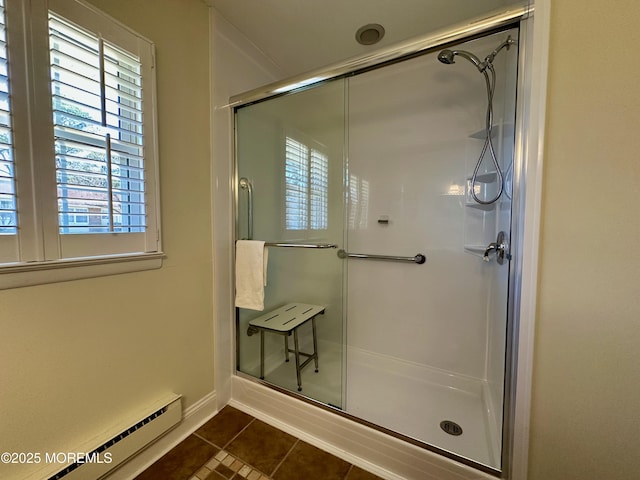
(77, 357)
(586, 390)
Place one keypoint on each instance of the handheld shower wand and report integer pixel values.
(447, 57)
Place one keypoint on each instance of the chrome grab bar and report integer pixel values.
(301, 245)
(419, 258)
(245, 184)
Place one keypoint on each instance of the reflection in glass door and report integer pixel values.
(426, 343)
(290, 154)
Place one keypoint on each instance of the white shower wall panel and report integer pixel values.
(409, 155)
(415, 326)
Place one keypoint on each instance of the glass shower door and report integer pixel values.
(426, 342)
(381, 164)
(290, 168)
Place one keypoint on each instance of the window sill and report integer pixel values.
(14, 275)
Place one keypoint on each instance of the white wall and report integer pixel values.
(409, 127)
(237, 66)
(78, 357)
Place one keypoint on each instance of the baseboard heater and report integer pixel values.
(161, 417)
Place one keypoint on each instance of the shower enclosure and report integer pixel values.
(364, 189)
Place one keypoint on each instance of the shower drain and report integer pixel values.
(452, 428)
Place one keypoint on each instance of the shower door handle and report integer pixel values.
(500, 247)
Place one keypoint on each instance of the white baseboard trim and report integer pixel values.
(374, 451)
(193, 418)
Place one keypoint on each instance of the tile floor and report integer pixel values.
(234, 445)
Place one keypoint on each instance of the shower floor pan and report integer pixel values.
(413, 400)
(403, 397)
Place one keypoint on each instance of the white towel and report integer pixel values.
(251, 273)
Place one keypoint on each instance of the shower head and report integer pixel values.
(446, 56)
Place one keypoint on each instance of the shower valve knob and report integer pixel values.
(492, 247)
(500, 247)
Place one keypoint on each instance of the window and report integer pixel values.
(306, 187)
(7, 182)
(97, 124)
(78, 148)
(8, 212)
(8, 221)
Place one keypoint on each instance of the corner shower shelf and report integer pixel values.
(487, 177)
(481, 206)
(477, 250)
(482, 134)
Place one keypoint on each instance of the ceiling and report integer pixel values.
(302, 35)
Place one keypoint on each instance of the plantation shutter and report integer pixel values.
(79, 195)
(8, 200)
(99, 143)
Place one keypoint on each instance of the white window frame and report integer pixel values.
(44, 255)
